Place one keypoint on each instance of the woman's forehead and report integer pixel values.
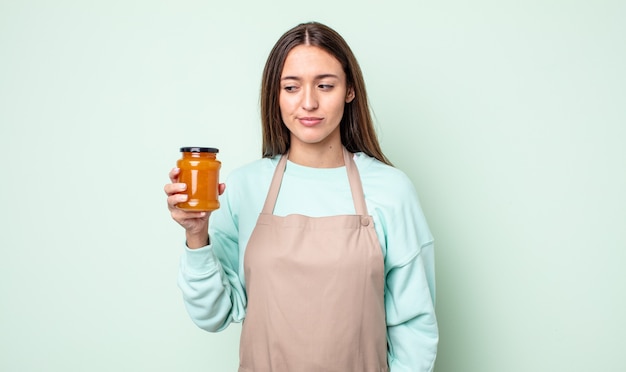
(308, 60)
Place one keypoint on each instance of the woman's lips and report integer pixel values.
(309, 121)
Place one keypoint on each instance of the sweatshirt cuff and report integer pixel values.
(200, 261)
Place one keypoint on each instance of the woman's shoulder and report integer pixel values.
(380, 176)
(394, 203)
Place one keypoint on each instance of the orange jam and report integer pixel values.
(199, 169)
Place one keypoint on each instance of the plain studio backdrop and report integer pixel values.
(509, 117)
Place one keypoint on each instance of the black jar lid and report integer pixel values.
(199, 149)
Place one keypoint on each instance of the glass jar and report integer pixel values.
(199, 169)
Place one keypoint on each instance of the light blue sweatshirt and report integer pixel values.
(212, 278)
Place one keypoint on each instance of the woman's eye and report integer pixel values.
(290, 88)
(326, 86)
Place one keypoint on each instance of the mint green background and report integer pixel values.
(509, 116)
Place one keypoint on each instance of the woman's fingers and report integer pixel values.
(174, 188)
(176, 193)
(174, 173)
(195, 223)
(174, 199)
(181, 216)
(190, 221)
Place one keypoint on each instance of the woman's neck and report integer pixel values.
(316, 155)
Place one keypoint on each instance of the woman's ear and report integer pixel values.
(350, 95)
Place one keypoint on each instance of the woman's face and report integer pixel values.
(313, 92)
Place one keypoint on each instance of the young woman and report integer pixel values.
(320, 247)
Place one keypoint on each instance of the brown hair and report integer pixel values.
(356, 127)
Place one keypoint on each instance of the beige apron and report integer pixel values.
(315, 290)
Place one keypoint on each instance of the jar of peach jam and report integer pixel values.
(199, 169)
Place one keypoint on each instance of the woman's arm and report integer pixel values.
(412, 331)
(411, 323)
(212, 291)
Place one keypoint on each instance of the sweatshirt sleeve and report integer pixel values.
(411, 323)
(412, 330)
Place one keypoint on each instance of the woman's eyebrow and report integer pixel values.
(324, 76)
(318, 77)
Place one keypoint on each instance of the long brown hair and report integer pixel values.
(356, 127)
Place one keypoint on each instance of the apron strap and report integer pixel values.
(354, 178)
(272, 195)
(358, 198)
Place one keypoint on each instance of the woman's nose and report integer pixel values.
(309, 99)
